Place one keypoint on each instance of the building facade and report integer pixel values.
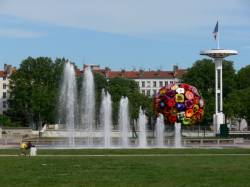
(149, 82)
(4, 87)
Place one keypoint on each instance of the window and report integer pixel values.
(4, 104)
(166, 83)
(143, 84)
(143, 92)
(154, 83)
(148, 92)
(218, 75)
(171, 82)
(4, 86)
(4, 78)
(161, 83)
(154, 91)
(148, 83)
(4, 94)
(218, 104)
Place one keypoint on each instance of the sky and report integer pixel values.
(123, 34)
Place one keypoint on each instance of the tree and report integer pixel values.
(100, 83)
(238, 104)
(5, 121)
(119, 87)
(34, 91)
(243, 78)
(202, 76)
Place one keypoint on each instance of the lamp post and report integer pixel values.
(218, 55)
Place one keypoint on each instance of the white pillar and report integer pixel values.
(219, 116)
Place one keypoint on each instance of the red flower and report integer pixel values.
(171, 103)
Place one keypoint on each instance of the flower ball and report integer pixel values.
(179, 103)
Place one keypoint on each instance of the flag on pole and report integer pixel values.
(216, 28)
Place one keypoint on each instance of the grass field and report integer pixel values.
(134, 167)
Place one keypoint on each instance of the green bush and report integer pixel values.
(5, 121)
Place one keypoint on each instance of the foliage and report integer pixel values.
(243, 78)
(5, 121)
(100, 83)
(119, 87)
(238, 104)
(34, 91)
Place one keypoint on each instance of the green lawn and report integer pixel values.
(190, 170)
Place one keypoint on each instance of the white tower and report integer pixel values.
(218, 55)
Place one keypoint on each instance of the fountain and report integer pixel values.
(88, 104)
(87, 130)
(124, 121)
(177, 135)
(160, 131)
(106, 118)
(142, 121)
(68, 101)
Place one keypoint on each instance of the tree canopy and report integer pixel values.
(119, 87)
(34, 91)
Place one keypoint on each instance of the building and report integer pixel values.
(149, 82)
(4, 86)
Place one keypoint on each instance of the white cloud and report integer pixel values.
(129, 16)
(19, 33)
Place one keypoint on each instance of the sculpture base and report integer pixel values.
(218, 119)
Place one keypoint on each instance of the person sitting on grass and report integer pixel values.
(25, 147)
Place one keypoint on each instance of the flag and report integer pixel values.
(216, 28)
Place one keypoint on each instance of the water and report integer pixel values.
(68, 101)
(124, 121)
(177, 137)
(142, 121)
(106, 118)
(160, 131)
(86, 130)
(88, 104)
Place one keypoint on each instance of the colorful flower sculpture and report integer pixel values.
(180, 102)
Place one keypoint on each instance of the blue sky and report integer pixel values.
(148, 34)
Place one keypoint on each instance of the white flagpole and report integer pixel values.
(218, 40)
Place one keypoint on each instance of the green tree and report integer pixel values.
(119, 87)
(243, 78)
(238, 104)
(100, 83)
(34, 91)
(5, 121)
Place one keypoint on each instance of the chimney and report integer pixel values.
(107, 70)
(141, 72)
(175, 68)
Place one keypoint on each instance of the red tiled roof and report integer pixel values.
(2, 74)
(180, 72)
(142, 74)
